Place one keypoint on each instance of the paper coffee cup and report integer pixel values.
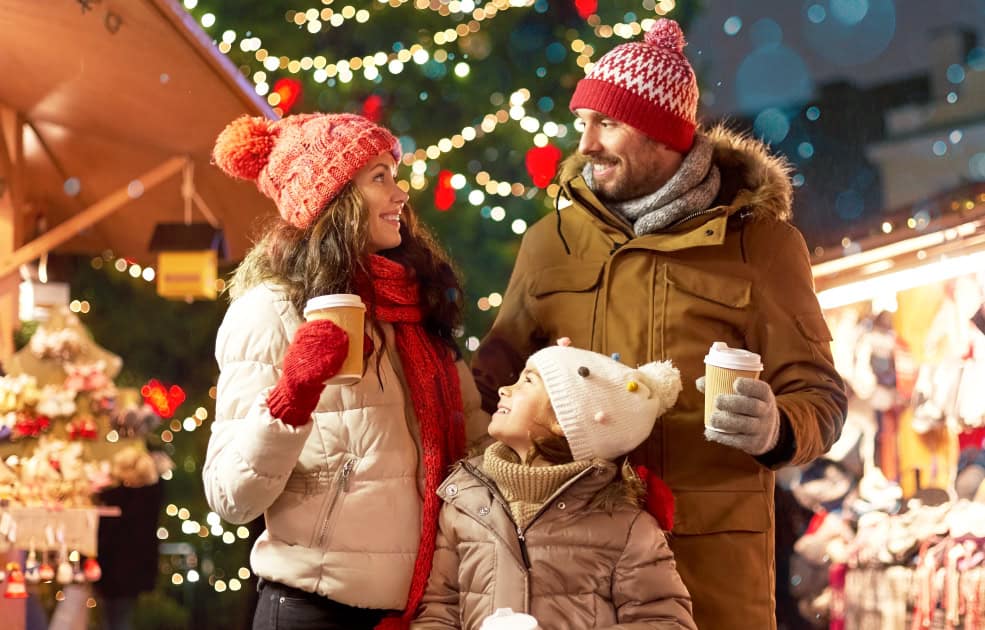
(506, 619)
(722, 366)
(346, 311)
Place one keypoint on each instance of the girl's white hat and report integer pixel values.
(605, 408)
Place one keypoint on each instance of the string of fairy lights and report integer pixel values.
(315, 19)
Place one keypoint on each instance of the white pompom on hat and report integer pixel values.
(605, 408)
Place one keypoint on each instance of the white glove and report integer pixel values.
(747, 420)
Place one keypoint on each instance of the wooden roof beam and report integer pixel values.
(91, 215)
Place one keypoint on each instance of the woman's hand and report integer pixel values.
(316, 355)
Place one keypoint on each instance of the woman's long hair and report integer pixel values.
(330, 254)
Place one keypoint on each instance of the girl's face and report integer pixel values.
(524, 412)
(384, 202)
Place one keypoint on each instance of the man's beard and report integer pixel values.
(616, 191)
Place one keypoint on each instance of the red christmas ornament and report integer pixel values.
(542, 164)
(444, 193)
(373, 107)
(289, 91)
(586, 8)
(162, 399)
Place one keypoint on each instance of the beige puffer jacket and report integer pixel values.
(589, 559)
(341, 496)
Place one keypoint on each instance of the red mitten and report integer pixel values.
(659, 498)
(316, 355)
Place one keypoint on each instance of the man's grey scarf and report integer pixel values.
(691, 190)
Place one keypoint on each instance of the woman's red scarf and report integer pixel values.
(432, 378)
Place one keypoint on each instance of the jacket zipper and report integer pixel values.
(521, 531)
(341, 485)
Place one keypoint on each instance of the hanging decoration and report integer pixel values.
(163, 400)
(586, 8)
(289, 90)
(542, 164)
(444, 192)
(373, 107)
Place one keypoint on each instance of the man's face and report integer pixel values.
(626, 164)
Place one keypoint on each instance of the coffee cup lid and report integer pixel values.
(720, 355)
(506, 619)
(335, 300)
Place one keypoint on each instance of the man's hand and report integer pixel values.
(747, 420)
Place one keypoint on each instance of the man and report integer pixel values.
(674, 239)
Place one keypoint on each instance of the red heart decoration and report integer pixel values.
(163, 400)
(542, 164)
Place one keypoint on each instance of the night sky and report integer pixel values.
(781, 49)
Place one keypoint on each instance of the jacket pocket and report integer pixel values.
(563, 300)
(336, 494)
(702, 307)
(714, 287)
(301, 514)
(709, 512)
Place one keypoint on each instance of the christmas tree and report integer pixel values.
(477, 93)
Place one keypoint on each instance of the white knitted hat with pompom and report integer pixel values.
(605, 408)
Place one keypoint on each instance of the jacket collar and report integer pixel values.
(754, 182)
(460, 487)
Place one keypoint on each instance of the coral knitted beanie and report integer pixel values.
(605, 408)
(649, 85)
(301, 162)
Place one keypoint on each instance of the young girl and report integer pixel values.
(344, 475)
(546, 522)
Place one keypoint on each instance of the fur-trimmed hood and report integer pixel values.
(745, 164)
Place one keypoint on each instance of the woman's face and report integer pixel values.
(524, 412)
(384, 202)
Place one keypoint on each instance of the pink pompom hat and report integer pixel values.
(301, 162)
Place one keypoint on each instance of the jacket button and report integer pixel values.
(709, 232)
(483, 511)
(451, 490)
(560, 505)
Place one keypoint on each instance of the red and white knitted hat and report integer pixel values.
(301, 162)
(649, 85)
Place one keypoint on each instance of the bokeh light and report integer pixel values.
(772, 75)
(849, 205)
(859, 31)
(771, 125)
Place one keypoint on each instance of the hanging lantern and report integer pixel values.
(187, 259)
(188, 253)
(542, 164)
(444, 192)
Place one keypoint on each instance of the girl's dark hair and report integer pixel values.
(328, 255)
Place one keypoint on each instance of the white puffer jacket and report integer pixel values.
(341, 496)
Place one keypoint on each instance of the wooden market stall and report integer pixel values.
(105, 108)
(108, 113)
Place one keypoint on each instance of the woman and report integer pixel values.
(345, 476)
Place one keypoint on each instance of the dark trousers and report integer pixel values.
(281, 607)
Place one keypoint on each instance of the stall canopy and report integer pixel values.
(106, 108)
